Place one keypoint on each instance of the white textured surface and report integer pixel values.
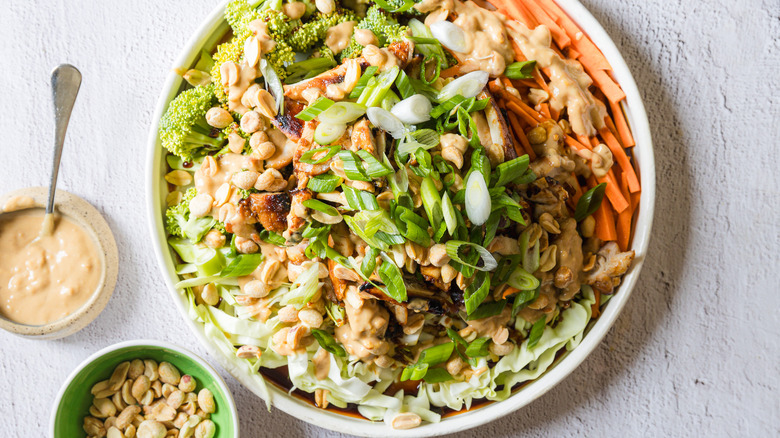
(696, 351)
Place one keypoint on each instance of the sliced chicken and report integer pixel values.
(361, 137)
(495, 135)
(287, 122)
(611, 264)
(270, 209)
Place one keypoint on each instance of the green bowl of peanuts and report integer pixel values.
(144, 389)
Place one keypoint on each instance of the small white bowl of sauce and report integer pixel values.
(53, 286)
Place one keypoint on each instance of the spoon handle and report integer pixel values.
(65, 83)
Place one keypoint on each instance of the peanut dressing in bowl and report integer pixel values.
(43, 279)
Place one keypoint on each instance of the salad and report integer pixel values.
(404, 206)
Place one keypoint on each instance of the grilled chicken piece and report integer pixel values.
(421, 297)
(296, 219)
(611, 264)
(361, 137)
(287, 122)
(303, 171)
(335, 83)
(339, 285)
(494, 133)
(270, 209)
(403, 50)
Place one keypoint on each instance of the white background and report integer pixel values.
(695, 353)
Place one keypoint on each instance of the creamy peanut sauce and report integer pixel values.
(211, 181)
(337, 37)
(237, 83)
(492, 324)
(44, 280)
(16, 203)
(383, 58)
(568, 82)
(362, 334)
(569, 259)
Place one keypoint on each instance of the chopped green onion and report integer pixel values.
(509, 171)
(468, 85)
(404, 85)
(478, 202)
(273, 84)
(478, 347)
(377, 87)
(437, 375)
(308, 156)
(313, 110)
(476, 292)
(413, 110)
(447, 106)
(521, 279)
(414, 372)
(524, 297)
(421, 40)
(306, 69)
(316, 204)
(450, 35)
(456, 337)
(271, 237)
(506, 266)
(363, 81)
(391, 99)
(243, 265)
(368, 264)
(536, 332)
(589, 202)
(328, 343)
(353, 166)
(374, 168)
(491, 226)
(359, 199)
(326, 134)
(431, 201)
(393, 279)
(437, 354)
(436, 69)
(209, 262)
(412, 226)
(486, 310)
(325, 183)
(520, 70)
(386, 121)
(342, 112)
(420, 30)
(454, 247)
(448, 210)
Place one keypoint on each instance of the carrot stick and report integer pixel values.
(585, 140)
(624, 219)
(557, 33)
(606, 84)
(574, 144)
(573, 54)
(511, 105)
(544, 109)
(509, 291)
(594, 141)
(524, 107)
(613, 192)
(520, 134)
(589, 53)
(620, 156)
(528, 17)
(605, 222)
(622, 125)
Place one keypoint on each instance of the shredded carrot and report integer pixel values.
(573, 54)
(509, 292)
(574, 144)
(585, 140)
(520, 134)
(612, 191)
(622, 125)
(622, 159)
(594, 141)
(452, 71)
(557, 33)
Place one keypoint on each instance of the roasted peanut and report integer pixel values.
(206, 401)
(187, 383)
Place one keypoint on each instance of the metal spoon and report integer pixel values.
(65, 83)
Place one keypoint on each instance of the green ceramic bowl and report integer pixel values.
(74, 399)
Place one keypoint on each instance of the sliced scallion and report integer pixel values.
(328, 343)
(520, 70)
(322, 155)
(316, 204)
(342, 112)
(313, 110)
(326, 134)
(325, 183)
(392, 278)
(454, 248)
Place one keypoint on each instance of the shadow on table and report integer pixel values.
(654, 294)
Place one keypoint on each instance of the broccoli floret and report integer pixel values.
(385, 27)
(183, 128)
(306, 36)
(176, 216)
(239, 13)
(179, 223)
(281, 56)
(229, 51)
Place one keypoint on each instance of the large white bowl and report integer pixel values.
(211, 31)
